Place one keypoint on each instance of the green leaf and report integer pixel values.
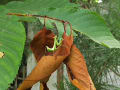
(88, 23)
(35, 5)
(12, 39)
(84, 21)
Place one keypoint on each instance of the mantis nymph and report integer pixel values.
(56, 43)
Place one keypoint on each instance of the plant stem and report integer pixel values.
(29, 15)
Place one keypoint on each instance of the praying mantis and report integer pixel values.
(56, 43)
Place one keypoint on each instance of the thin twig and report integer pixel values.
(29, 15)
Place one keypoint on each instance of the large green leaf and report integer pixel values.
(84, 21)
(30, 6)
(12, 39)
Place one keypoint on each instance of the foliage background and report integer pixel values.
(100, 60)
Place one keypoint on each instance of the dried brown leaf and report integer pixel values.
(48, 62)
(42, 39)
(77, 70)
(38, 45)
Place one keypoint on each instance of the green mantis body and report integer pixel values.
(56, 43)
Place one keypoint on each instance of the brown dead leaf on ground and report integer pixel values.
(77, 70)
(47, 62)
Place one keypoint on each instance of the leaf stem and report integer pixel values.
(29, 15)
(56, 19)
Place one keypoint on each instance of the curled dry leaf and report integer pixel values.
(47, 62)
(42, 39)
(77, 70)
(38, 46)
